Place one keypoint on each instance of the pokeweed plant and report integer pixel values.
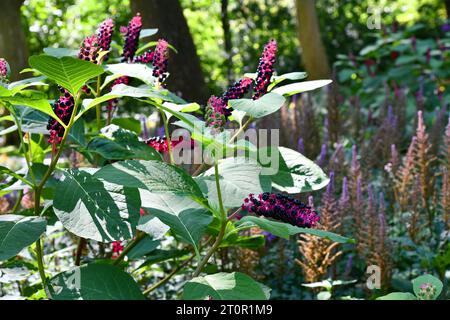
(131, 193)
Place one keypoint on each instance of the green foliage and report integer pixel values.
(225, 286)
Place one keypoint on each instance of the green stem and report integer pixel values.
(38, 189)
(19, 199)
(169, 276)
(169, 141)
(128, 248)
(223, 226)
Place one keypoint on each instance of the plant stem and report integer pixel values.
(38, 189)
(223, 226)
(231, 216)
(237, 133)
(19, 199)
(81, 244)
(131, 245)
(169, 276)
(169, 141)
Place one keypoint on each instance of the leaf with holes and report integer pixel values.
(154, 176)
(95, 209)
(18, 232)
(186, 218)
(70, 73)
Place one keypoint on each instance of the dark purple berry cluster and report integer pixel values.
(132, 34)
(89, 49)
(104, 35)
(160, 60)
(237, 90)
(160, 144)
(281, 207)
(4, 70)
(63, 108)
(265, 69)
(145, 58)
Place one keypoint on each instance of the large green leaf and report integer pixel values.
(119, 144)
(267, 104)
(94, 282)
(18, 86)
(287, 76)
(296, 173)
(70, 73)
(186, 218)
(284, 230)
(95, 209)
(155, 176)
(152, 226)
(238, 178)
(427, 279)
(225, 286)
(38, 104)
(18, 232)
(299, 87)
(398, 296)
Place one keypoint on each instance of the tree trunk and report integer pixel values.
(227, 40)
(314, 56)
(447, 8)
(13, 46)
(186, 76)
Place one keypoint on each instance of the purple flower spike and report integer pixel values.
(265, 69)
(105, 32)
(160, 60)
(4, 70)
(145, 58)
(133, 32)
(216, 113)
(281, 207)
(238, 90)
(63, 108)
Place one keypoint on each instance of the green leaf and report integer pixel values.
(95, 209)
(284, 230)
(152, 226)
(18, 86)
(154, 176)
(287, 76)
(147, 33)
(238, 178)
(94, 282)
(128, 124)
(296, 173)
(186, 218)
(144, 247)
(4, 170)
(398, 296)
(267, 104)
(158, 256)
(299, 87)
(77, 134)
(427, 280)
(225, 286)
(70, 73)
(38, 104)
(18, 232)
(133, 70)
(119, 144)
(61, 52)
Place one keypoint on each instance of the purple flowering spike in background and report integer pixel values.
(4, 70)
(89, 49)
(132, 34)
(281, 207)
(265, 69)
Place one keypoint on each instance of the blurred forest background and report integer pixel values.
(381, 130)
